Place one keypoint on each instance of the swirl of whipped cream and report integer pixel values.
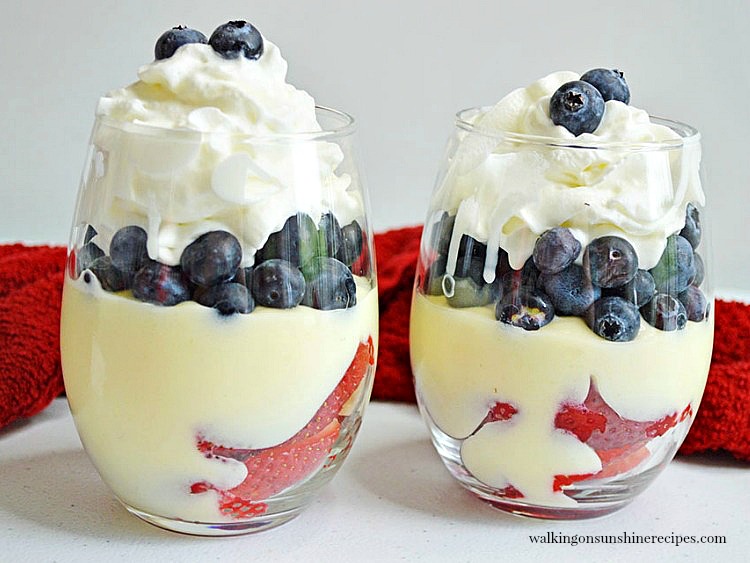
(207, 158)
(508, 191)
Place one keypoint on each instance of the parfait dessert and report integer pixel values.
(219, 321)
(561, 325)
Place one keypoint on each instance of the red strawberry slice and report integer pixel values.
(363, 357)
(619, 442)
(614, 462)
(565, 480)
(331, 407)
(510, 492)
(271, 470)
(239, 509)
(621, 462)
(498, 412)
(598, 425)
(579, 420)
(229, 504)
(501, 412)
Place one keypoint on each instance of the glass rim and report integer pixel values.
(689, 135)
(346, 127)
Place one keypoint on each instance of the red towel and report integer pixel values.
(30, 294)
(30, 375)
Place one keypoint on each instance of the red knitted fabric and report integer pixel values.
(30, 293)
(30, 375)
(723, 420)
(396, 254)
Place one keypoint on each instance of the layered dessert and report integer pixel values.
(219, 319)
(561, 329)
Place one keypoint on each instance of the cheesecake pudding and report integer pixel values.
(220, 315)
(561, 326)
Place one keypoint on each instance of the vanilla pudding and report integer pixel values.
(139, 408)
(657, 374)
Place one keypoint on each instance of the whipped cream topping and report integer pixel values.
(507, 192)
(214, 162)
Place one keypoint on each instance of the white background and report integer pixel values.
(403, 68)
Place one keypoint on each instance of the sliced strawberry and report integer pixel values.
(239, 508)
(271, 470)
(598, 425)
(230, 504)
(565, 480)
(510, 492)
(622, 463)
(363, 358)
(619, 442)
(614, 462)
(498, 412)
(501, 412)
(579, 420)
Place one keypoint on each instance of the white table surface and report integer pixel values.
(392, 501)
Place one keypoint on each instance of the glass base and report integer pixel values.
(257, 524)
(284, 506)
(594, 497)
(527, 510)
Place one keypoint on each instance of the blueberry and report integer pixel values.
(527, 309)
(615, 319)
(555, 250)
(330, 285)
(160, 284)
(237, 38)
(89, 234)
(610, 83)
(227, 298)
(611, 261)
(694, 302)
(639, 291)
(86, 256)
(570, 290)
(503, 263)
(467, 293)
(527, 278)
(278, 284)
(244, 276)
(352, 243)
(128, 248)
(212, 258)
(330, 236)
(175, 38)
(665, 313)
(676, 268)
(110, 276)
(470, 260)
(577, 106)
(296, 242)
(700, 270)
(441, 233)
(433, 284)
(692, 230)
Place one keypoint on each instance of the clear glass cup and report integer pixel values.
(219, 319)
(557, 376)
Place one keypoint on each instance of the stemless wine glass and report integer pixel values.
(219, 319)
(561, 324)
